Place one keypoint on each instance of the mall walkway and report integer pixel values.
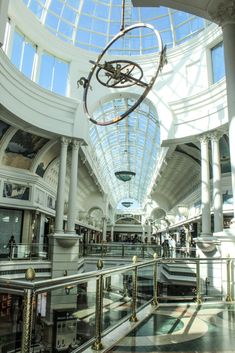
(208, 328)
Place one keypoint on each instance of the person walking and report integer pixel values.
(11, 246)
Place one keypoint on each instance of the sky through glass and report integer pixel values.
(91, 24)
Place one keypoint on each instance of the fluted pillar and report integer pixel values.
(205, 187)
(61, 186)
(217, 192)
(72, 211)
(225, 17)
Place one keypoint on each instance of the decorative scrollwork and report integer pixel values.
(120, 74)
(83, 81)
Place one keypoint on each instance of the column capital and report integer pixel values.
(65, 140)
(224, 14)
(76, 143)
(204, 138)
(215, 135)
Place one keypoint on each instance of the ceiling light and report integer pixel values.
(127, 203)
(124, 175)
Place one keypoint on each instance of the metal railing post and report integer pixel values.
(97, 345)
(123, 250)
(143, 251)
(29, 297)
(155, 274)
(229, 289)
(133, 317)
(108, 283)
(198, 283)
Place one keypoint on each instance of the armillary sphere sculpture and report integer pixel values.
(122, 74)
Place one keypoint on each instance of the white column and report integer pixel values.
(225, 16)
(143, 234)
(3, 19)
(104, 229)
(112, 231)
(72, 211)
(217, 193)
(229, 53)
(149, 231)
(61, 186)
(205, 187)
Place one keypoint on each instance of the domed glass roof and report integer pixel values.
(91, 24)
(132, 145)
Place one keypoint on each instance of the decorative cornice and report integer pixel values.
(224, 14)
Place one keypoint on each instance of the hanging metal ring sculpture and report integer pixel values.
(120, 74)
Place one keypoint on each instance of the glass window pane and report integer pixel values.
(17, 49)
(28, 59)
(217, 57)
(60, 77)
(47, 64)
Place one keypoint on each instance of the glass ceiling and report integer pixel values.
(131, 145)
(91, 24)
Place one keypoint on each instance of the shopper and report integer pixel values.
(11, 246)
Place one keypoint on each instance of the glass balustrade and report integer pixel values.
(70, 312)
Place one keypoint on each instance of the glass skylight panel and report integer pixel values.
(56, 6)
(197, 24)
(69, 14)
(127, 147)
(52, 21)
(182, 31)
(96, 18)
(65, 29)
(74, 3)
(36, 7)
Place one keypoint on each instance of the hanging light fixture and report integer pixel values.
(124, 175)
(127, 203)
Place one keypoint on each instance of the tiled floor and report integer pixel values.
(209, 328)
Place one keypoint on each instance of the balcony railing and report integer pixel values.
(24, 251)
(139, 249)
(78, 310)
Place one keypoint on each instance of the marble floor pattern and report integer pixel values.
(207, 328)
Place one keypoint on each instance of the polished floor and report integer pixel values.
(208, 328)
